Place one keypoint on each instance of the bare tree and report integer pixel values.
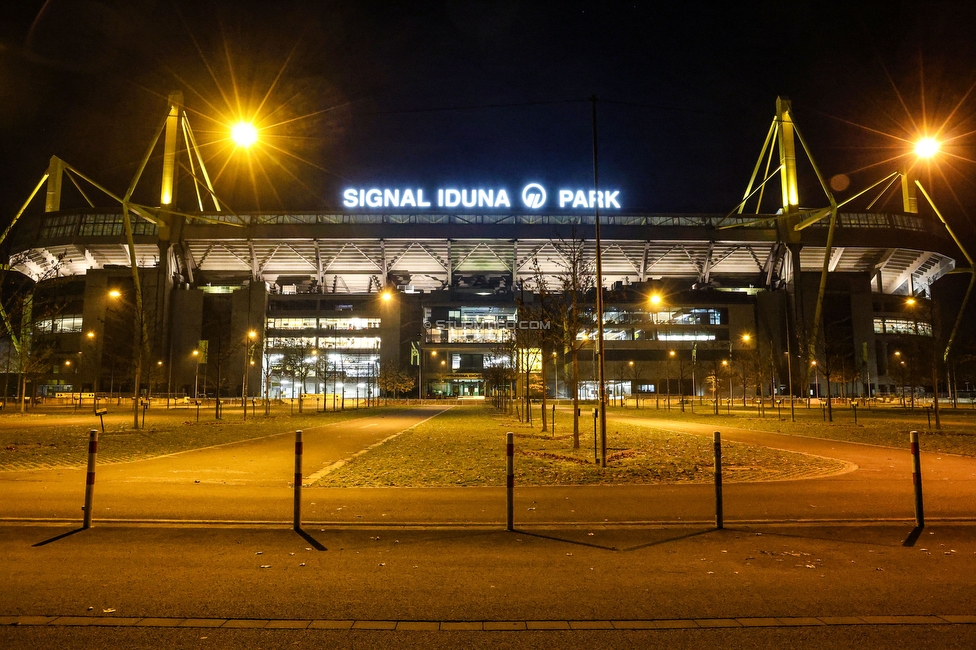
(26, 319)
(573, 318)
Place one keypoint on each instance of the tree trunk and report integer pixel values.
(543, 355)
(576, 435)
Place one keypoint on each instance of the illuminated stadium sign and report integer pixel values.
(533, 197)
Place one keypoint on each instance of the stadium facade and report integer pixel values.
(435, 280)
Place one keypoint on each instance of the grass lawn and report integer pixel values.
(466, 447)
(888, 425)
(60, 439)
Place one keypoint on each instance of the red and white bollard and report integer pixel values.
(90, 479)
(299, 448)
(510, 478)
(917, 479)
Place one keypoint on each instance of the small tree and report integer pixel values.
(573, 319)
(395, 380)
(297, 361)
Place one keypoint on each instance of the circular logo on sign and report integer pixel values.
(534, 196)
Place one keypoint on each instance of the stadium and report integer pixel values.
(185, 298)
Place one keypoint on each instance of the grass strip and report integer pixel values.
(466, 447)
(65, 445)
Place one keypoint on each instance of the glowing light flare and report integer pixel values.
(926, 147)
(244, 134)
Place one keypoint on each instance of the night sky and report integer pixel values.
(488, 93)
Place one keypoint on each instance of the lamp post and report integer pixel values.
(94, 361)
(900, 360)
(137, 352)
(249, 344)
(911, 303)
(745, 339)
(196, 375)
(728, 365)
(630, 365)
(655, 300)
(671, 355)
(816, 380)
(555, 376)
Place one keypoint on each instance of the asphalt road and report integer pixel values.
(249, 480)
(783, 577)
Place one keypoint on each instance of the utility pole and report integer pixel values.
(599, 296)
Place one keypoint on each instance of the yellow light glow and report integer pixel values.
(926, 147)
(196, 353)
(746, 338)
(90, 335)
(671, 352)
(655, 299)
(244, 134)
(387, 296)
(252, 335)
(910, 302)
(114, 293)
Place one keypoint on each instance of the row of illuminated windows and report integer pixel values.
(902, 326)
(310, 343)
(348, 324)
(58, 324)
(331, 367)
(682, 316)
(619, 334)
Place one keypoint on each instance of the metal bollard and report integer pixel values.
(553, 419)
(917, 480)
(596, 414)
(510, 478)
(298, 480)
(719, 518)
(90, 480)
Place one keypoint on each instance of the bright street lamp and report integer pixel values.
(926, 147)
(244, 134)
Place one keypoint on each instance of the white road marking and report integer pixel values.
(310, 480)
(366, 426)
